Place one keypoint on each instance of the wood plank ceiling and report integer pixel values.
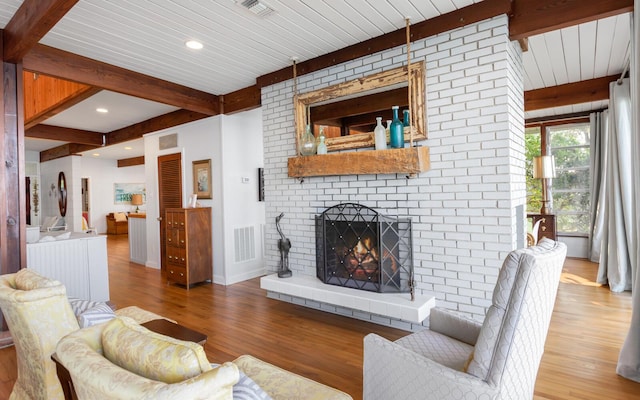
(574, 41)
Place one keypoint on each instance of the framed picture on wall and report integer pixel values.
(122, 192)
(202, 179)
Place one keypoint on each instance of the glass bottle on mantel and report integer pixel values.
(307, 143)
(322, 147)
(380, 135)
(396, 132)
(406, 121)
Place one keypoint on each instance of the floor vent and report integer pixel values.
(245, 243)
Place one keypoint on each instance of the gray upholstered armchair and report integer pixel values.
(458, 358)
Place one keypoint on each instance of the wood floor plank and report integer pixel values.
(588, 327)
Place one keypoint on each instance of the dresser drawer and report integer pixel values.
(176, 256)
(177, 274)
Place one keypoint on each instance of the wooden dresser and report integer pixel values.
(188, 243)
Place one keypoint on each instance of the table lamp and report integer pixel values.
(136, 200)
(544, 168)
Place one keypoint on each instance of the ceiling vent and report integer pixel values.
(257, 7)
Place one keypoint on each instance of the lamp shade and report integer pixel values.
(544, 167)
(136, 199)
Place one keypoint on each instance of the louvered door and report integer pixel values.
(169, 195)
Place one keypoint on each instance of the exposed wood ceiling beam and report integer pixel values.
(65, 65)
(85, 140)
(78, 136)
(68, 149)
(533, 17)
(443, 23)
(568, 94)
(30, 23)
(130, 162)
(164, 121)
(241, 100)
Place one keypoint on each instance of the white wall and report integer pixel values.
(102, 174)
(464, 209)
(234, 203)
(242, 156)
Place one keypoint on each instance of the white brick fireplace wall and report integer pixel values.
(464, 208)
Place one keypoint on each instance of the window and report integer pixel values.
(532, 142)
(570, 191)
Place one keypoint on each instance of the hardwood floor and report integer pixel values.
(587, 329)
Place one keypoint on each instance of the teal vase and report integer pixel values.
(396, 131)
(406, 121)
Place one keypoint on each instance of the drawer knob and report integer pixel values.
(182, 259)
(181, 274)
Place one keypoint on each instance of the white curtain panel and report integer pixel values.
(598, 143)
(617, 254)
(629, 358)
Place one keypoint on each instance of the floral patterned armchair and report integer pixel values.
(39, 314)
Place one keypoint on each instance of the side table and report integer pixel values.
(175, 331)
(547, 225)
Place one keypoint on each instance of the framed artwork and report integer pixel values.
(202, 179)
(122, 192)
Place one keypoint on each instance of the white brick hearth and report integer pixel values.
(392, 309)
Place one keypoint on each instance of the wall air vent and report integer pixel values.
(257, 7)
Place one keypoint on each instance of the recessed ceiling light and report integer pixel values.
(102, 110)
(96, 154)
(194, 44)
(128, 148)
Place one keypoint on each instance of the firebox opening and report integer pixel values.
(359, 248)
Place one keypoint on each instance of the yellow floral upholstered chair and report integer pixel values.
(39, 314)
(123, 360)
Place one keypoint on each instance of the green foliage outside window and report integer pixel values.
(534, 186)
(571, 187)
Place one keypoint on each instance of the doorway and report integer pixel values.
(169, 195)
(86, 204)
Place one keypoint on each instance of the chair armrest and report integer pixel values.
(95, 377)
(394, 372)
(454, 325)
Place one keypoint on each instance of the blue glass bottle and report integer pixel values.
(396, 132)
(406, 121)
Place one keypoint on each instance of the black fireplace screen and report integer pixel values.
(358, 247)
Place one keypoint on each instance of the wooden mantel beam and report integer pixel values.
(30, 23)
(533, 17)
(568, 94)
(65, 65)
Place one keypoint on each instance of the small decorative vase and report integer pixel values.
(322, 148)
(307, 145)
(396, 132)
(380, 135)
(406, 121)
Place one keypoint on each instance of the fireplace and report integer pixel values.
(357, 247)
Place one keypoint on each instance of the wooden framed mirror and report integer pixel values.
(62, 194)
(352, 107)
